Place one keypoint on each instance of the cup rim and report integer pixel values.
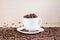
(30, 18)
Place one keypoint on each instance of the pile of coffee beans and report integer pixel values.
(25, 30)
(32, 15)
(29, 31)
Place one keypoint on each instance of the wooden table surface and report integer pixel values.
(50, 33)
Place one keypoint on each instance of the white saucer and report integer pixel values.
(30, 32)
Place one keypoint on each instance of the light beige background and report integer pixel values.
(11, 11)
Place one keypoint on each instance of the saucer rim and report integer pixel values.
(20, 28)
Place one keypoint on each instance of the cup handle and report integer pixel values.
(40, 21)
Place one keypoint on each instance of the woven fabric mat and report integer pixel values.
(13, 34)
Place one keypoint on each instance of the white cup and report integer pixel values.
(32, 23)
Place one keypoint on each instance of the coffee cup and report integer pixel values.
(32, 23)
